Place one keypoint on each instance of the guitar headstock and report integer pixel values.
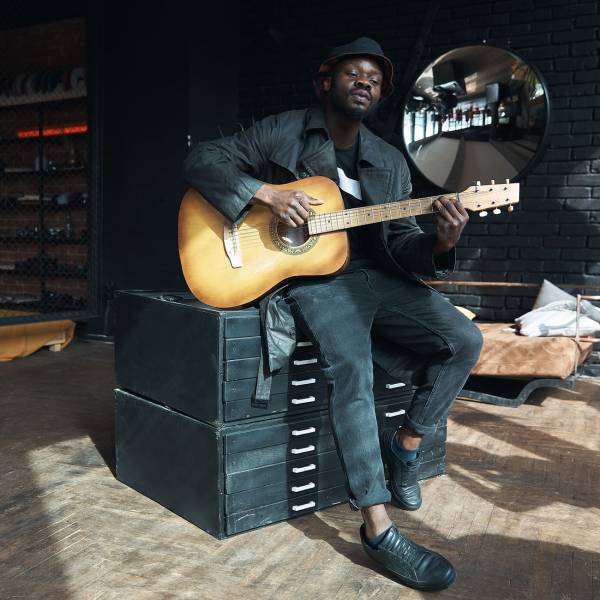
(478, 198)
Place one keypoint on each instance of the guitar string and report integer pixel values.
(261, 235)
(388, 206)
(336, 216)
(258, 231)
(254, 232)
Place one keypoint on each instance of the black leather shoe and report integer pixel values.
(403, 476)
(413, 565)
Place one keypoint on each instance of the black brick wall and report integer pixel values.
(555, 231)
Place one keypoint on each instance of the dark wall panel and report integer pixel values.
(555, 233)
(145, 128)
(169, 78)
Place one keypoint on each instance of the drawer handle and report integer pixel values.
(302, 344)
(301, 488)
(303, 431)
(308, 448)
(303, 381)
(308, 361)
(395, 413)
(310, 467)
(303, 400)
(298, 507)
(391, 386)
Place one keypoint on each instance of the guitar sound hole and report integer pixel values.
(292, 236)
(292, 240)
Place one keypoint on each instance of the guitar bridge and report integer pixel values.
(231, 240)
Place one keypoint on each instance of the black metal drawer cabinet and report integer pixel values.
(232, 478)
(188, 437)
(202, 361)
(229, 478)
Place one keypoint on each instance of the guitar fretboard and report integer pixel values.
(364, 215)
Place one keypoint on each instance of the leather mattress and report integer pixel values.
(505, 353)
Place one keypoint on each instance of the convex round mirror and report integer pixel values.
(476, 113)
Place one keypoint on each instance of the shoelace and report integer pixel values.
(410, 473)
(404, 548)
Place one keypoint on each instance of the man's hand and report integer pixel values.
(290, 206)
(450, 221)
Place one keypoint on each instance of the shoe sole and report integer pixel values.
(409, 583)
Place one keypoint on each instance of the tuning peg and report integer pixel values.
(496, 211)
(507, 181)
(510, 208)
(478, 184)
(493, 182)
(483, 213)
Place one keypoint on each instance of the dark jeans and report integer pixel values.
(339, 314)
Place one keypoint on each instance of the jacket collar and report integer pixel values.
(368, 149)
(375, 178)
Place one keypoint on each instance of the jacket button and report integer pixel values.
(303, 174)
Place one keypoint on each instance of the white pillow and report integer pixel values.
(550, 293)
(556, 318)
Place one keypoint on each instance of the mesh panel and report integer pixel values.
(44, 174)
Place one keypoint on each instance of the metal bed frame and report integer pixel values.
(505, 391)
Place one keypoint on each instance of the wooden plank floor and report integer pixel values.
(518, 511)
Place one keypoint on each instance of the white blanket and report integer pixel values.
(557, 318)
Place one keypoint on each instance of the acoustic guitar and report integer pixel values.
(229, 266)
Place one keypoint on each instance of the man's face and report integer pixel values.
(354, 87)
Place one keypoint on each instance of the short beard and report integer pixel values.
(356, 114)
(353, 113)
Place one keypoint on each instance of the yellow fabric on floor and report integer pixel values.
(23, 339)
(466, 312)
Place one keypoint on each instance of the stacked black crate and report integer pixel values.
(188, 436)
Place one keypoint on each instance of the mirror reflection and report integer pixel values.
(475, 113)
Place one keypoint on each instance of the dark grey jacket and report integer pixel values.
(293, 145)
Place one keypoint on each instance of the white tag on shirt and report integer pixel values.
(350, 186)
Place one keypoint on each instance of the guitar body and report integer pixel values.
(228, 267)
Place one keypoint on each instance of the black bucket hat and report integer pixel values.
(362, 46)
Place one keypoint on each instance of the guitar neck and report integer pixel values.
(365, 215)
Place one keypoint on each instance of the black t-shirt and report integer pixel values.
(360, 237)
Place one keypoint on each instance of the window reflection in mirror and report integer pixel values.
(475, 113)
